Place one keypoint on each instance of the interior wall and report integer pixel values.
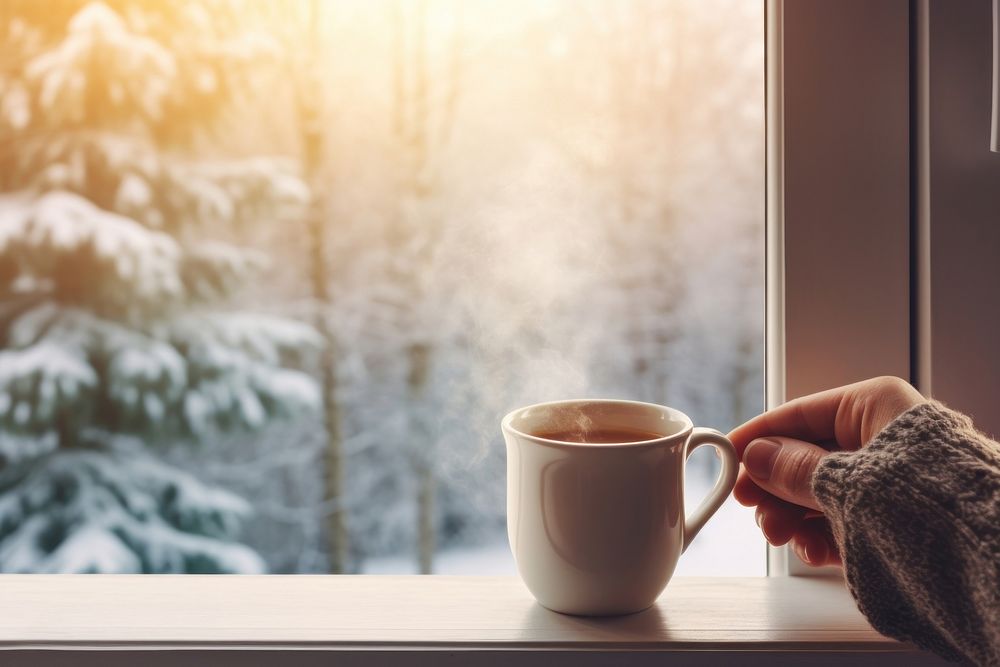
(846, 170)
(964, 207)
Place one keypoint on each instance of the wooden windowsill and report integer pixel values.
(354, 613)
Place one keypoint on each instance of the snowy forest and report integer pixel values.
(271, 272)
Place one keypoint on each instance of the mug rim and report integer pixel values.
(506, 427)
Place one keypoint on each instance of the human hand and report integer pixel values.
(781, 448)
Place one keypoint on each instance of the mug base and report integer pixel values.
(597, 612)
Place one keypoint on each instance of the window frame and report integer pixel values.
(798, 203)
(840, 183)
(797, 226)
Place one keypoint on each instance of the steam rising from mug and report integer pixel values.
(522, 289)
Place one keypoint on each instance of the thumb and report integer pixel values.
(784, 467)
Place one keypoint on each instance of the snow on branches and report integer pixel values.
(87, 255)
(186, 378)
(136, 72)
(118, 330)
(108, 506)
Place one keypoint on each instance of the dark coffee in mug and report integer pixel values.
(600, 436)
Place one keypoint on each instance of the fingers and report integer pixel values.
(782, 522)
(783, 467)
(809, 535)
(778, 520)
(779, 457)
(808, 418)
(850, 415)
(746, 492)
(814, 543)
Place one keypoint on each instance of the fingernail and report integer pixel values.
(814, 552)
(759, 457)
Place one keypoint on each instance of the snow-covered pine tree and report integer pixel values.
(114, 335)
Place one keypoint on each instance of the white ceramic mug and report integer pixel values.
(596, 529)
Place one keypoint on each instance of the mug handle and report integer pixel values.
(723, 486)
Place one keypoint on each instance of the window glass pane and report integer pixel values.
(272, 272)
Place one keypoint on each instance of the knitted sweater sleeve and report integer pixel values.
(916, 515)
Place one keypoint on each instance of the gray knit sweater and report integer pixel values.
(916, 514)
